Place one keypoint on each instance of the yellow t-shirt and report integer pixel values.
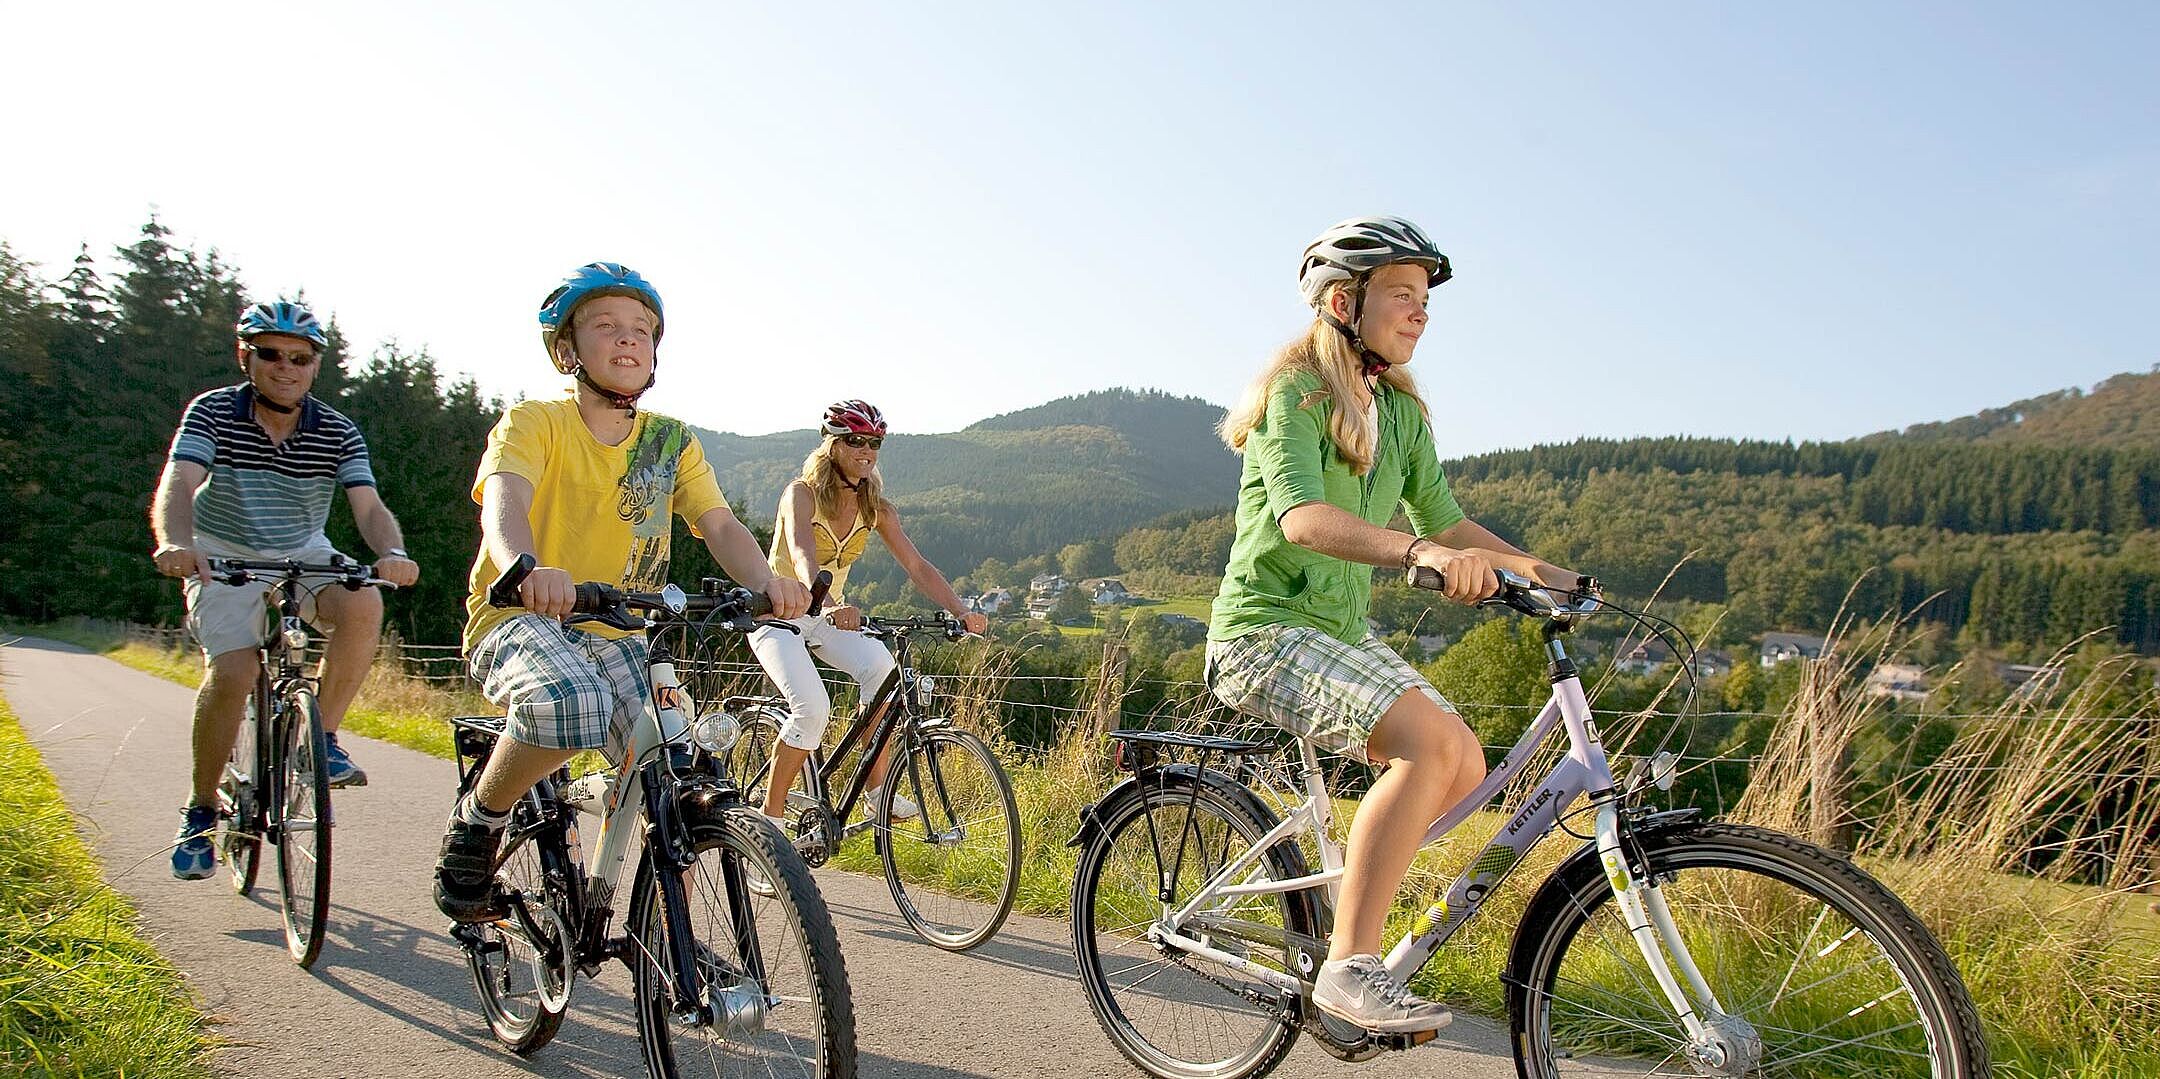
(835, 553)
(599, 511)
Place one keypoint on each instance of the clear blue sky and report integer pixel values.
(1750, 220)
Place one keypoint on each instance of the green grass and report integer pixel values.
(81, 993)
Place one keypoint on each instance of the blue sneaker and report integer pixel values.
(194, 857)
(342, 771)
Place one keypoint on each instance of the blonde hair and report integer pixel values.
(822, 475)
(1323, 352)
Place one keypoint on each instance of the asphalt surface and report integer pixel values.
(390, 995)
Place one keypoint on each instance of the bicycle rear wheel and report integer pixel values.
(1176, 1015)
(955, 868)
(775, 990)
(1820, 969)
(241, 791)
(522, 970)
(303, 826)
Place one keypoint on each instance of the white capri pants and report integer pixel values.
(786, 658)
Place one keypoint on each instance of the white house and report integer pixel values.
(1898, 681)
(1779, 647)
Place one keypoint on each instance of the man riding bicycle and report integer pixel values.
(1335, 440)
(251, 475)
(587, 487)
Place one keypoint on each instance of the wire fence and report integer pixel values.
(1053, 703)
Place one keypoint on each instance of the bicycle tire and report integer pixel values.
(1818, 958)
(303, 826)
(1115, 899)
(954, 869)
(509, 966)
(240, 790)
(814, 1034)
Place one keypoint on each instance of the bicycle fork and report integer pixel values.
(1722, 1043)
(708, 991)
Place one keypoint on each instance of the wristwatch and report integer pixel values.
(397, 552)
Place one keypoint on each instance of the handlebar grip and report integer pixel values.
(818, 589)
(596, 598)
(1427, 578)
(504, 592)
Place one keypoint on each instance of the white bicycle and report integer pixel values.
(1667, 944)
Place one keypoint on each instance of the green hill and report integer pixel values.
(2123, 411)
(1024, 482)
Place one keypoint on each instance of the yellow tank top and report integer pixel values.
(834, 553)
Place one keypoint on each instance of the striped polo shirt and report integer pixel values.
(271, 497)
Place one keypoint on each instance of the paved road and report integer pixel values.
(390, 995)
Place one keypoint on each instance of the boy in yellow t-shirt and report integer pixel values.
(586, 486)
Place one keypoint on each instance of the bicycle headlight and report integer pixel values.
(715, 732)
(295, 638)
(924, 687)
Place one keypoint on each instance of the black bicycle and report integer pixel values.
(276, 784)
(747, 983)
(954, 867)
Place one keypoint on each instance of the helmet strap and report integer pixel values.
(282, 410)
(1371, 363)
(624, 401)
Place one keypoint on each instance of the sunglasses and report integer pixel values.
(299, 357)
(863, 441)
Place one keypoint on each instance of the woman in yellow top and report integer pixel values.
(826, 518)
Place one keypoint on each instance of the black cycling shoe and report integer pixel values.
(465, 874)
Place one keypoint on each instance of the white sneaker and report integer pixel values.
(903, 808)
(1359, 990)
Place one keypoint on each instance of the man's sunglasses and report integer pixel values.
(299, 357)
(863, 441)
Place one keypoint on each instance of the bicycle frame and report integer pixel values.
(639, 788)
(892, 704)
(1583, 770)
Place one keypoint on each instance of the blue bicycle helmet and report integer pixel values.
(282, 316)
(588, 282)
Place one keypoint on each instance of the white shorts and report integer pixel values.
(229, 618)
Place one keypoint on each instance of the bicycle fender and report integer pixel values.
(1169, 775)
(1566, 879)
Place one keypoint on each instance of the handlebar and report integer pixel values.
(350, 575)
(613, 607)
(942, 622)
(1523, 594)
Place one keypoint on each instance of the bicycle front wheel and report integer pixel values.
(955, 867)
(242, 790)
(774, 992)
(1177, 1015)
(303, 826)
(1818, 970)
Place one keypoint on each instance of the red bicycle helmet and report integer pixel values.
(854, 418)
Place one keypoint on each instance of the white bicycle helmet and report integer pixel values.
(1351, 249)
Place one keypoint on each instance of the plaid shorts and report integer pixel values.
(563, 688)
(1316, 687)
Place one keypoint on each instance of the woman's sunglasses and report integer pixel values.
(298, 357)
(863, 441)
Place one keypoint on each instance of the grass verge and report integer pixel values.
(81, 993)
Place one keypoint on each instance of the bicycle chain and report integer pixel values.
(1304, 1019)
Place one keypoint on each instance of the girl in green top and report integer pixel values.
(1335, 440)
